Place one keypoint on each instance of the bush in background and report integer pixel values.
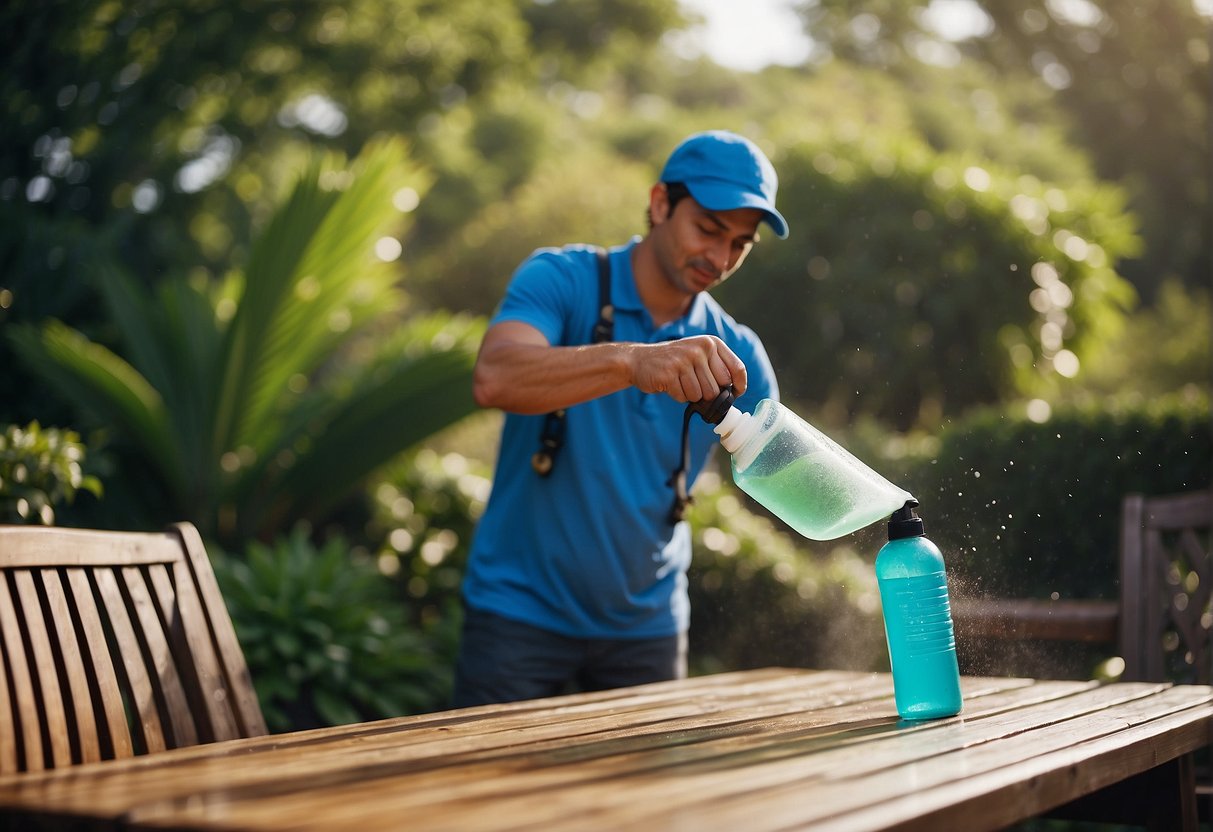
(326, 639)
(1028, 509)
(762, 596)
(1016, 509)
(423, 513)
(41, 468)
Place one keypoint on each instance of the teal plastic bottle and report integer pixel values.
(918, 620)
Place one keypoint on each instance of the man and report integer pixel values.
(577, 572)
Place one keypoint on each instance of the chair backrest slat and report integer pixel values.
(105, 689)
(44, 667)
(85, 734)
(24, 700)
(211, 695)
(166, 684)
(131, 667)
(8, 735)
(239, 685)
(114, 643)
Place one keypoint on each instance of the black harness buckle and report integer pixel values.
(550, 443)
(551, 440)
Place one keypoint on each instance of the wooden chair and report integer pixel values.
(1166, 584)
(1160, 625)
(1165, 616)
(114, 644)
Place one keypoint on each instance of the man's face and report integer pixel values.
(698, 249)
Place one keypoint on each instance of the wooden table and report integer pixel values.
(768, 749)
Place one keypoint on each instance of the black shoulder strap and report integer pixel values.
(604, 330)
(552, 438)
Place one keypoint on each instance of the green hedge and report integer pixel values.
(1025, 509)
(1018, 508)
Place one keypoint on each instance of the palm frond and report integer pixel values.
(190, 338)
(130, 308)
(272, 270)
(335, 285)
(100, 382)
(421, 383)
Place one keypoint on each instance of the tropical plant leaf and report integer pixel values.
(420, 383)
(172, 339)
(336, 286)
(130, 308)
(190, 338)
(273, 262)
(378, 424)
(101, 382)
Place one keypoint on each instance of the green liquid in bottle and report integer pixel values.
(808, 494)
(804, 477)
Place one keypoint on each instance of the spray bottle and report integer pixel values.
(917, 620)
(820, 489)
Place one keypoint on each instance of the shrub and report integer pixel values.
(326, 639)
(40, 468)
(761, 596)
(423, 514)
(1028, 509)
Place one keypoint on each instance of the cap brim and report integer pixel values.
(728, 198)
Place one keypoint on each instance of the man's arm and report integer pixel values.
(519, 371)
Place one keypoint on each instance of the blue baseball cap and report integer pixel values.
(723, 171)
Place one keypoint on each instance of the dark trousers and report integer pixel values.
(505, 661)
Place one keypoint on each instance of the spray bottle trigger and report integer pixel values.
(905, 522)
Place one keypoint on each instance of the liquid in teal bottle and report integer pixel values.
(918, 620)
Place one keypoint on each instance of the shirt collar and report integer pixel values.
(624, 294)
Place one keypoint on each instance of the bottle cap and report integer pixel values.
(905, 523)
(715, 410)
(735, 429)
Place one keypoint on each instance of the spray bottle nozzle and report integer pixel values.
(714, 411)
(905, 522)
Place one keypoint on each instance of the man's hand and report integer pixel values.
(688, 369)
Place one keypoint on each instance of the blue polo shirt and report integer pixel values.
(588, 551)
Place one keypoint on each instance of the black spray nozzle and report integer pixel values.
(714, 411)
(905, 522)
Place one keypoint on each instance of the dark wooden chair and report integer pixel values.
(1166, 590)
(1166, 586)
(114, 644)
(1160, 625)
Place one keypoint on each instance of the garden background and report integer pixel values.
(247, 250)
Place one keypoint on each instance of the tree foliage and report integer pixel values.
(916, 282)
(928, 283)
(326, 639)
(1131, 84)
